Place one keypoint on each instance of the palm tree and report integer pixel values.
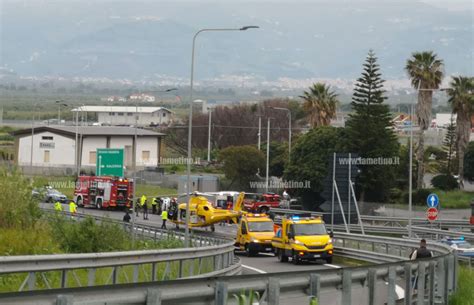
(461, 98)
(320, 103)
(426, 73)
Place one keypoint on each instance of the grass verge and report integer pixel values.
(465, 292)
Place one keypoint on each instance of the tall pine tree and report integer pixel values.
(449, 146)
(370, 134)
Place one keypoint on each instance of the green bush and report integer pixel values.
(17, 207)
(419, 196)
(445, 182)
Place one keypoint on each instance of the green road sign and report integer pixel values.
(109, 162)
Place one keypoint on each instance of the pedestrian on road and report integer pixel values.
(126, 220)
(421, 252)
(137, 206)
(126, 217)
(143, 205)
(72, 208)
(164, 218)
(58, 207)
(154, 204)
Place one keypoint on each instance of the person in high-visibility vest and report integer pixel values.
(144, 207)
(164, 218)
(72, 207)
(58, 207)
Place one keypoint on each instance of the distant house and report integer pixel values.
(143, 97)
(125, 115)
(55, 147)
(116, 99)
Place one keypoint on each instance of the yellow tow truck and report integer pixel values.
(254, 234)
(303, 238)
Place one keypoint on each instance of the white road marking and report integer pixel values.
(267, 254)
(254, 269)
(332, 266)
(399, 291)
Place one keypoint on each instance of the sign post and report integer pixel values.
(432, 201)
(109, 162)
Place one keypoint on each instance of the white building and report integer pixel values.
(54, 147)
(125, 115)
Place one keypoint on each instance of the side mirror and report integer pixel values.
(291, 235)
(331, 233)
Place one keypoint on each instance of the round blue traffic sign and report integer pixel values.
(432, 200)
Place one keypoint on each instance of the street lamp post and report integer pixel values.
(289, 128)
(60, 103)
(32, 137)
(190, 127)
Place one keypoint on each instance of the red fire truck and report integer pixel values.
(103, 192)
(261, 203)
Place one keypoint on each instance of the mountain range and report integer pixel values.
(146, 40)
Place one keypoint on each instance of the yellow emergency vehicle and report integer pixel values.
(254, 234)
(303, 238)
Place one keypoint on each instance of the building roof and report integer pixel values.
(90, 131)
(119, 109)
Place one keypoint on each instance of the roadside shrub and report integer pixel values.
(88, 236)
(419, 196)
(444, 182)
(17, 207)
(35, 240)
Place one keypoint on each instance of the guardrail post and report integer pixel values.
(180, 268)
(450, 273)
(408, 279)
(392, 296)
(153, 271)
(420, 300)
(440, 278)
(153, 297)
(314, 285)
(31, 281)
(371, 277)
(64, 278)
(135, 274)
(114, 275)
(64, 300)
(431, 271)
(346, 286)
(456, 270)
(221, 293)
(91, 277)
(273, 296)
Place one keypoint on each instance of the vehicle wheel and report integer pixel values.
(295, 259)
(79, 202)
(263, 210)
(329, 260)
(99, 204)
(281, 256)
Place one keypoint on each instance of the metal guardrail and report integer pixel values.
(436, 280)
(209, 256)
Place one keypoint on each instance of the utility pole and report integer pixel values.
(259, 130)
(209, 136)
(268, 156)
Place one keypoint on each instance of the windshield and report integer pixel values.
(309, 229)
(260, 226)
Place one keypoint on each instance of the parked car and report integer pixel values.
(48, 194)
(461, 246)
